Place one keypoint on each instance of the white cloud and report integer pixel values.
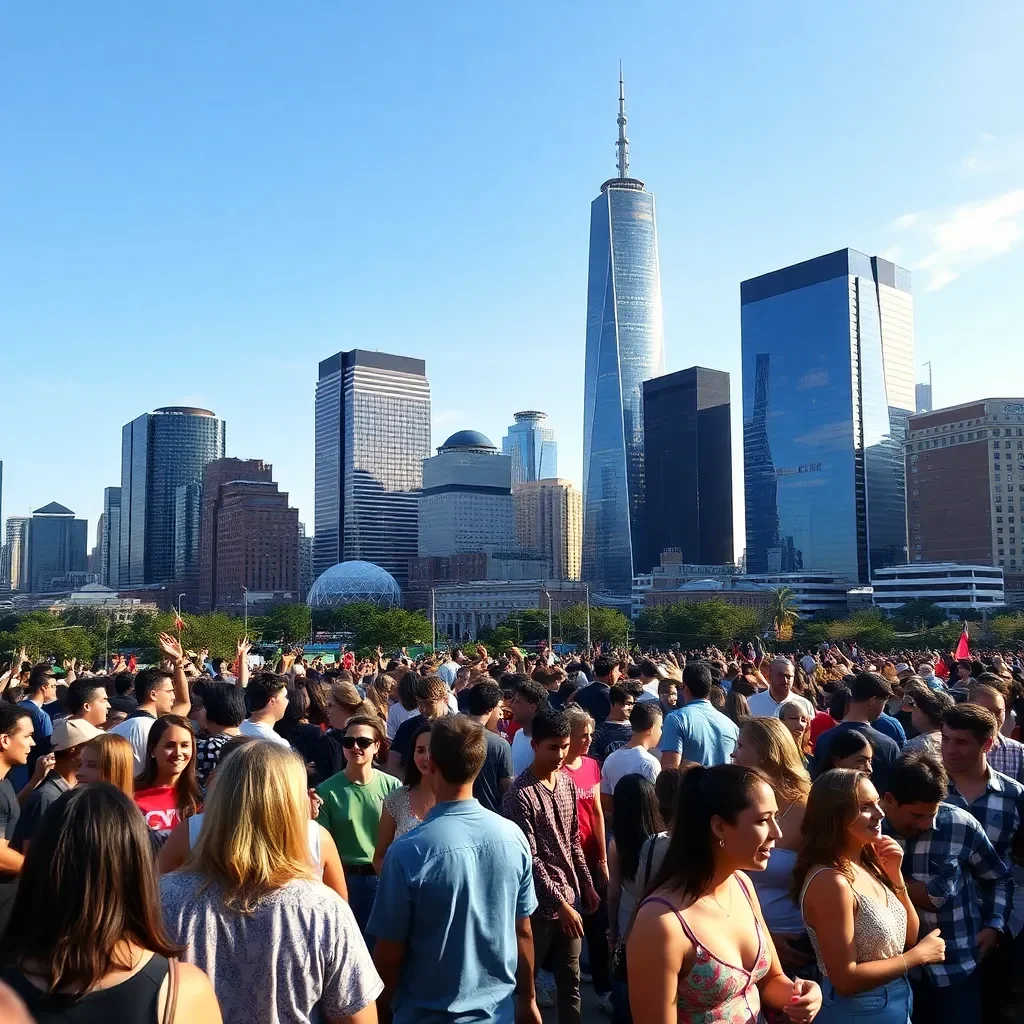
(956, 240)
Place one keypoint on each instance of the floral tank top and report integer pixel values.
(716, 992)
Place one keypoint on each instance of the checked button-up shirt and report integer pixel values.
(968, 883)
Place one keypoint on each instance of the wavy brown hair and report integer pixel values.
(780, 759)
(188, 797)
(88, 887)
(831, 808)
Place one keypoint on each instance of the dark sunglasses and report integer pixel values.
(362, 742)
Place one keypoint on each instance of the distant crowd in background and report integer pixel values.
(699, 836)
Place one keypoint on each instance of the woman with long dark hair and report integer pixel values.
(167, 791)
(850, 749)
(855, 904)
(634, 820)
(698, 949)
(98, 952)
(408, 806)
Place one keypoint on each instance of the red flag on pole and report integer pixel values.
(963, 649)
(179, 623)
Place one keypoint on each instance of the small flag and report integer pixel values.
(179, 623)
(963, 649)
(132, 663)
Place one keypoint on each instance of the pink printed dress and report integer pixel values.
(716, 992)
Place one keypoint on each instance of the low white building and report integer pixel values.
(814, 593)
(463, 609)
(949, 585)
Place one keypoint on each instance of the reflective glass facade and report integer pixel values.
(828, 350)
(532, 448)
(624, 348)
(57, 544)
(372, 434)
(688, 467)
(160, 452)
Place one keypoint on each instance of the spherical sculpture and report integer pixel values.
(354, 582)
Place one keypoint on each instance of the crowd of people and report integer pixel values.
(701, 837)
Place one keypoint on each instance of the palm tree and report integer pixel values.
(782, 612)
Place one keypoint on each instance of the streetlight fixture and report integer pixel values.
(433, 619)
(547, 594)
(586, 587)
(180, 596)
(245, 609)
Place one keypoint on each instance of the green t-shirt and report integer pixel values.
(351, 813)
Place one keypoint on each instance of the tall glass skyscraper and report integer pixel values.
(828, 387)
(160, 452)
(624, 348)
(532, 447)
(372, 434)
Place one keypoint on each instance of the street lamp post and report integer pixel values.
(433, 619)
(586, 587)
(245, 609)
(547, 594)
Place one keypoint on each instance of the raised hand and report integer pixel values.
(170, 647)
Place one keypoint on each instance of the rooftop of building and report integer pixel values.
(468, 440)
(841, 263)
(53, 509)
(184, 410)
(965, 411)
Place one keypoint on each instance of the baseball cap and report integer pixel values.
(72, 732)
(902, 667)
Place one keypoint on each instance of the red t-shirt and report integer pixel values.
(586, 777)
(159, 806)
(821, 722)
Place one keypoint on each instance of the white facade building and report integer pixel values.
(949, 585)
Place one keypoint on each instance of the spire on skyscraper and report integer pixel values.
(622, 146)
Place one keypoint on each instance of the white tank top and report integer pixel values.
(195, 826)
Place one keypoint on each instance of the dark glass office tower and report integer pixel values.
(161, 452)
(372, 434)
(57, 543)
(828, 387)
(688, 467)
(624, 348)
(110, 539)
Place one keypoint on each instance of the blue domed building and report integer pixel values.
(355, 582)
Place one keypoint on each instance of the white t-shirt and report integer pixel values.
(396, 716)
(627, 761)
(262, 732)
(650, 692)
(136, 732)
(522, 752)
(764, 705)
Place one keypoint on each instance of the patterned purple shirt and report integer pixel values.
(549, 820)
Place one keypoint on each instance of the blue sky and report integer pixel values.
(200, 201)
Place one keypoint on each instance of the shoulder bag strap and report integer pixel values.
(171, 1005)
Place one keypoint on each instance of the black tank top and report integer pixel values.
(134, 1001)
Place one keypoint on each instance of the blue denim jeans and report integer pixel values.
(887, 1004)
(362, 891)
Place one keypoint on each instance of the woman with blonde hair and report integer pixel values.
(793, 715)
(767, 744)
(108, 758)
(277, 944)
(323, 854)
(854, 901)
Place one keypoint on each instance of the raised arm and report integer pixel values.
(170, 647)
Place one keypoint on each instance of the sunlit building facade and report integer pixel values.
(532, 447)
(372, 434)
(828, 389)
(624, 348)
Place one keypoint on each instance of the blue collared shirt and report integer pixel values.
(967, 882)
(451, 891)
(699, 732)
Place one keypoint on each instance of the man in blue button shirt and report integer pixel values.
(452, 914)
(697, 731)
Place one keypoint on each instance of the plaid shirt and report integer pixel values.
(967, 882)
(1007, 758)
(550, 822)
(1000, 810)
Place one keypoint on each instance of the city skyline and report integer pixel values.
(257, 274)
